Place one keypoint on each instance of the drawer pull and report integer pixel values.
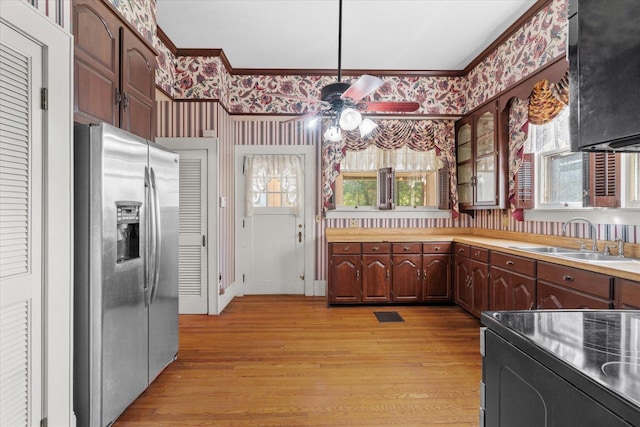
(346, 248)
(406, 248)
(461, 250)
(477, 254)
(509, 262)
(567, 278)
(376, 248)
(437, 248)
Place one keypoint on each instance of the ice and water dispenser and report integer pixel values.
(128, 220)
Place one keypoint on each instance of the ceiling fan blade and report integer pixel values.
(392, 107)
(362, 87)
(303, 117)
(298, 98)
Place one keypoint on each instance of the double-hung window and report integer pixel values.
(361, 183)
(565, 179)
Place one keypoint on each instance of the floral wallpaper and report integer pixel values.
(165, 67)
(141, 14)
(198, 77)
(538, 42)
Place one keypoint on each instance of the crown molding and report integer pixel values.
(537, 6)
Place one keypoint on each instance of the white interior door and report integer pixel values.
(274, 245)
(192, 271)
(21, 242)
(198, 222)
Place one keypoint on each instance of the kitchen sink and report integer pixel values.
(592, 256)
(548, 250)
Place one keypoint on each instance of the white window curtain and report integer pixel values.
(402, 160)
(263, 171)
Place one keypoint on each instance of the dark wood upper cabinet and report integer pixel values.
(114, 71)
(481, 159)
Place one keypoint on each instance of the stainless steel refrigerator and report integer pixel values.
(125, 271)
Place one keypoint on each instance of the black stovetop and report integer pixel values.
(602, 344)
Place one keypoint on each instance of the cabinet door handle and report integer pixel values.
(388, 274)
(125, 99)
(509, 263)
(418, 273)
(357, 274)
(424, 274)
(567, 278)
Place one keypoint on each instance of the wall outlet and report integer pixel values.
(353, 222)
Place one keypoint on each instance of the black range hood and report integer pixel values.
(604, 75)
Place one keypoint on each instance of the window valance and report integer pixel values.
(418, 135)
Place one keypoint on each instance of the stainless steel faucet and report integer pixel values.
(594, 231)
(620, 248)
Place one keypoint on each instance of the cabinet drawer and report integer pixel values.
(479, 254)
(346, 248)
(514, 263)
(559, 297)
(436, 248)
(376, 248)
(406, 248)
(462, 250)
(575, 278)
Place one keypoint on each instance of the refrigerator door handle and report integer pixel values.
(158, 232)
(147, 257)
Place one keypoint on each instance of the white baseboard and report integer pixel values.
(226, 298)
(320, 288)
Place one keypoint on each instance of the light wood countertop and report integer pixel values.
(503, 241)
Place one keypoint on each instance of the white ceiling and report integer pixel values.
(376, 34)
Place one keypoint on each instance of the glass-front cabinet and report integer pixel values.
(480, 160)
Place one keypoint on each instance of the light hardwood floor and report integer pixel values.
(292, 361)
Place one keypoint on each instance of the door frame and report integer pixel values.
(57, 208)
(309, 153)
(210, 145)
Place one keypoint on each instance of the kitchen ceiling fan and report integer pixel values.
(344, 102)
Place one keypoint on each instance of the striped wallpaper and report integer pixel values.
(59, 11)
(189, 119)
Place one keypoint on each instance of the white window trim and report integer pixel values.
(397, 213)
(616, 216)
(539, 174)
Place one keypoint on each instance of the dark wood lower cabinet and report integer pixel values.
(566, 287)
(627, 294)
(552, 296)
(376, 277)
(511, 291)
(377, 273)
(474, 278)
(436, 275)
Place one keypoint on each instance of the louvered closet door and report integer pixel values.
(20, 230)
(192, 271)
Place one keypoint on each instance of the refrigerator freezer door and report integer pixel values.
(163, 310)
(124, 348)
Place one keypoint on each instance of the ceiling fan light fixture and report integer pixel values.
(313, 122)
(350, 119)
(333, 134)
(366, 127)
